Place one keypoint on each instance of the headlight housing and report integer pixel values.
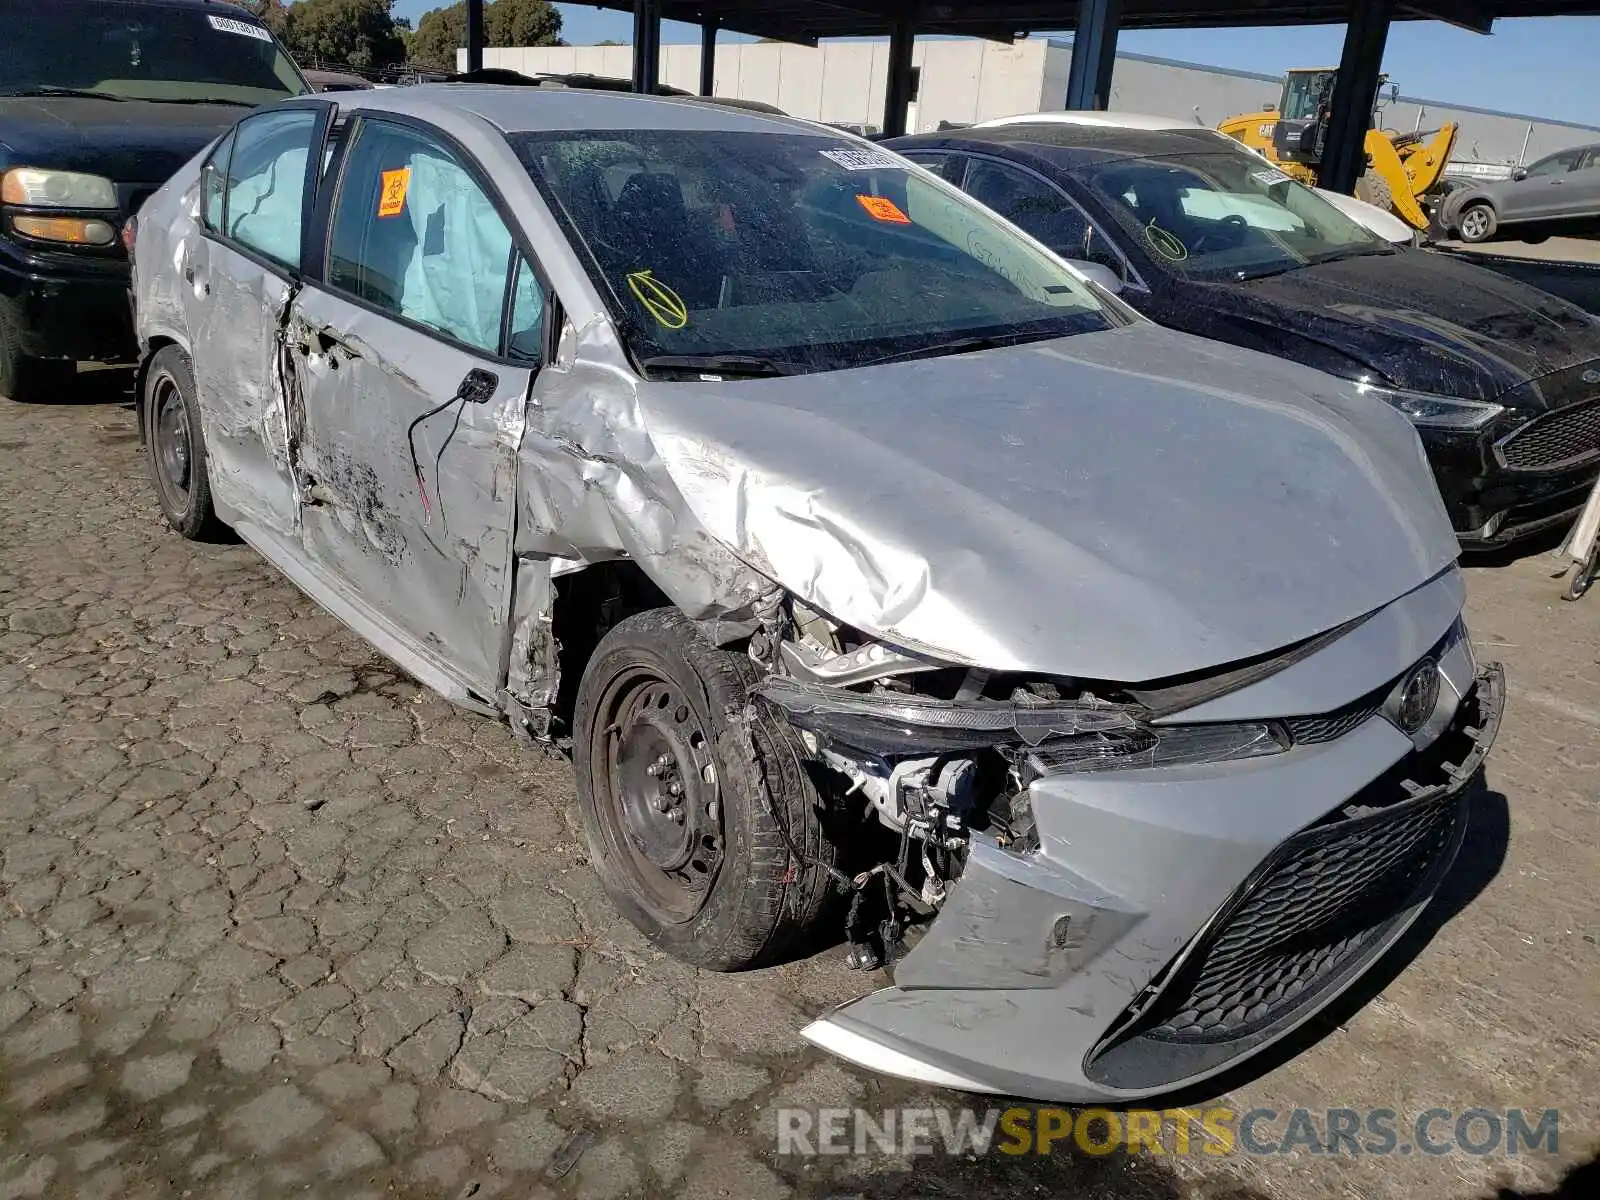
(1428, 411)
(41, 188)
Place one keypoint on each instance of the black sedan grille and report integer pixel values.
(1330, 892)
(1330, 727)
(1559, 439)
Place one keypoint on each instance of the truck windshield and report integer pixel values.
(795, 252)
(193, 55)
(1227, 214)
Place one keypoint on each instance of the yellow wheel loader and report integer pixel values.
(1402, 168)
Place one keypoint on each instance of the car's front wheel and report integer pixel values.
(682, 787)
(175, 444)
(28, 379)
(1477, 223)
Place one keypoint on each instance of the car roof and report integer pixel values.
(1071, 145)
(227, 8)
(514, 109)
(1109, 120)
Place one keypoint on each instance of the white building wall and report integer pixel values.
(965, 81)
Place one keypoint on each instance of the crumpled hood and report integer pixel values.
(1424, 321)
(1125, 506)
(132, 141)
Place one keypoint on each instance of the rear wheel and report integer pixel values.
(1477, 223)
(175, 444)
(682, 788)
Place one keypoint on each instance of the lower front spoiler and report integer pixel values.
(1308, 919)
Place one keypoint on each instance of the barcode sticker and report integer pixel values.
(229, 25)
(866, 160)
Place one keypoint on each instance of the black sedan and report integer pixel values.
(1501, 380)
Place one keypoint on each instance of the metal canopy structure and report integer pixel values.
(1096, 24)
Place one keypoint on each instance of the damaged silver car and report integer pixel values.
(1105, 689)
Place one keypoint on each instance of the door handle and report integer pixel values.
(478, 387)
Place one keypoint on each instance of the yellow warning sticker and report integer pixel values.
(880, 208)
(660, 301)
(392, 196)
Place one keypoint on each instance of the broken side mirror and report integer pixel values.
(1097, 273)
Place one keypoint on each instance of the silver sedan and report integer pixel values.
(1105, 689)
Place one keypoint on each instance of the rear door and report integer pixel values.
(257, 189)
(1583, 187)
(413, 354)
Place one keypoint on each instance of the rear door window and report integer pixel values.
(416, 235)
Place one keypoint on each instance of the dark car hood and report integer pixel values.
(1421, 320)
(134, 141)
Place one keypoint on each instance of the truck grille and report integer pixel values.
(1558, 439)
(1327, 894)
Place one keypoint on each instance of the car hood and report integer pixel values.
(1421, 320)
(131, 141)
(1128, 505)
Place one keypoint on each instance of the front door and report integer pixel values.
(256, 191)
(413, 358)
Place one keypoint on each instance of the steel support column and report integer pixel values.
(897, 100)
(708, 57)
(475, 38)
(1344, 156)
(1094, 54)
(646, 45)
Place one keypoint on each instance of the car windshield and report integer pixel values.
(806, 253)
(142, 52)
(1225, 214)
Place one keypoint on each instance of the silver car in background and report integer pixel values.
(1105, 688)
(1559, 194)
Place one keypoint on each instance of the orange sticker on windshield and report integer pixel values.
(880, 208)
(392, 199)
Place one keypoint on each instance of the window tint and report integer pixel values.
(267, 183)
(1030, 203)
(935, 161)
(213, 178)
(414, 234)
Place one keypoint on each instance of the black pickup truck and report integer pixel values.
(100, 102)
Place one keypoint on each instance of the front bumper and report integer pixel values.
(67, 306)
(1174, 922)
(1491, 505)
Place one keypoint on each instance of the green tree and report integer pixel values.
(356, 33)
(441, 32)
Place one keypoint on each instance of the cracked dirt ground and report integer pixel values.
(275, 921)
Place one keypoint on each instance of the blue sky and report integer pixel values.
(1545, 67)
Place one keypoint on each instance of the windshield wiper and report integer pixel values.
(199, 100)
(744, 365)
(45, 90)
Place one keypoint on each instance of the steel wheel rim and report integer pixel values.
(169, 439)
(657, 794)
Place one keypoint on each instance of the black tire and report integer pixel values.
(27, 380)
(1477, 222)
(175, 446)
(656, 688)
(1375, 190)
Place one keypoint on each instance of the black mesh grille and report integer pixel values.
(1556, 439)
(1330, 727)
(1329, 892)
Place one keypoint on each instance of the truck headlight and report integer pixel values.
(1434, 412)
(42, 188)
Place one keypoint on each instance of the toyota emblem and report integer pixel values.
(1419, 695)
(1591, 376)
